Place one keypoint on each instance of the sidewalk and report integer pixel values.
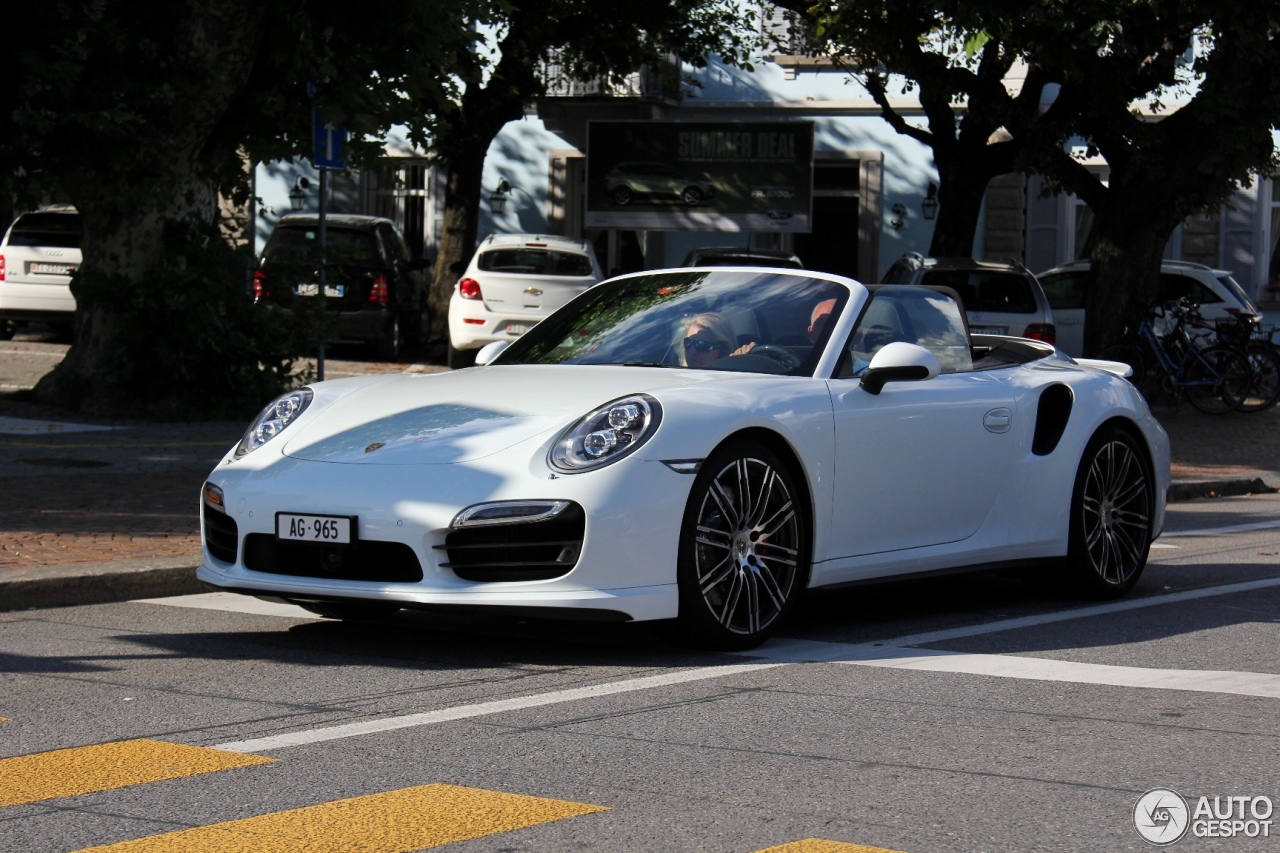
(104, 511)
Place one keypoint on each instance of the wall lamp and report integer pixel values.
(929, 204)
(498, 198)
(298, 195)
(899, 216)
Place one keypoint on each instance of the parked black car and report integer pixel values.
(374, 287)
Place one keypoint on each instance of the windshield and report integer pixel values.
(534, 262)
(54, 230)
(1238, 292)
(710, 320)
(292, 245)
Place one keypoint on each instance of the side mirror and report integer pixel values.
(489, 352)
(899, 362)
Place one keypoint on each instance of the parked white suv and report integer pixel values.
(1217, 292)
(512, 282)
(39, 253)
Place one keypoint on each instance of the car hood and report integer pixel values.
(468, 414)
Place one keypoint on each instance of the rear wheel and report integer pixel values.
(8, 329)
(622, 195)
(744, 548)
(1112, 506)
(1264, 391)
(1218, 380)
(691, 196)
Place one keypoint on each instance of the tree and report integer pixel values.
(946, 53)
(1171, 160)
(590, 39)
(141, 112)
(1108, 68)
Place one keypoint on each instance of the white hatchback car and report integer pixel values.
(39, 253)
(1219, 295)
(512, 282)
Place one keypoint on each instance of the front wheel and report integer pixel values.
(691, 196)
(1217, 380)
(8, 329)
(744, 548)
(1112, 506)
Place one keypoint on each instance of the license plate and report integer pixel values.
(986, 330)
(518, 328)
(313, 289)
(328, 529)
(50, 269)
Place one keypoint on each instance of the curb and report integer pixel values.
(98, 583)
(1217, 489)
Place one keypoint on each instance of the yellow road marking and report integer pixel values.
(5, 720)
(394, 822)
(106, 766)
(822, 845)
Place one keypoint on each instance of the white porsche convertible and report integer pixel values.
(700, 445)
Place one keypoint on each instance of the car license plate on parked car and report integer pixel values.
(986, 330)
(313, 289)
(34, 268)
(518, 328)
(328, 529)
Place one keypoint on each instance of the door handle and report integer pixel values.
(998, 420)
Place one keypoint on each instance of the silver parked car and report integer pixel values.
(999, 297)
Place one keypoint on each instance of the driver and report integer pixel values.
(703, 339)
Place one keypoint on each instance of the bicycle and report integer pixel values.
(1243, 333)
(1215, 379)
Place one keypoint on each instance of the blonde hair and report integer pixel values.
(716, 323)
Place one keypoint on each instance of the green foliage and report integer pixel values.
(187, 342)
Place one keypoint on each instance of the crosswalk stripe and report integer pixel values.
(822, 845)
(107, 766)
(392, 822)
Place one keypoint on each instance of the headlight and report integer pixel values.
(607, 434)
(281, 412)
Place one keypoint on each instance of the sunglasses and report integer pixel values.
(702, 346)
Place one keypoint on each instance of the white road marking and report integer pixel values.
(1043, 669)
(26, 426)
(481, 709)
(1231, 528)
(1156, 545)
(892, 654)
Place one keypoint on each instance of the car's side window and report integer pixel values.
(1066, 291)
(916, 316)
(1174, 286)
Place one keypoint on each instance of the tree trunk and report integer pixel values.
(458, 235)
(1125, 250)
(960, 193)
(130, 194)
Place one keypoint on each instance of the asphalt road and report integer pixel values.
(961, 714)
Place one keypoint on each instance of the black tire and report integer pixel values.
(1112, 507)
(1219, 380)
(691, 196)
(391, 344)
(460, 358)
(1264, 391)
(744, 549)
(8, 329)
(345, 610)
(621, 195)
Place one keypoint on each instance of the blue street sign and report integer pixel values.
(327, 143)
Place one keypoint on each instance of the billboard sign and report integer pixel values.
(700, 176)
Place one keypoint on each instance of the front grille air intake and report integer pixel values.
(365, 560)
(530, 551)
(221, 535)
